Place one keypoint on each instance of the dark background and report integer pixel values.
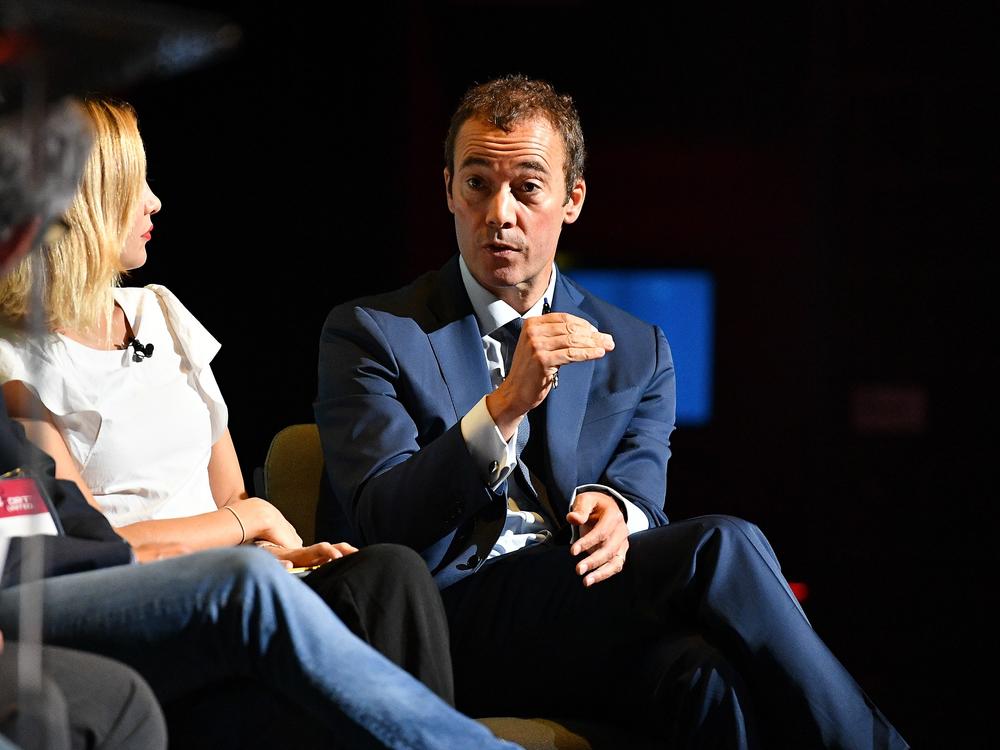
(829, 162)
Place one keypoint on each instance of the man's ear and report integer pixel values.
(447, 190)
(17, 244)
(575, 203)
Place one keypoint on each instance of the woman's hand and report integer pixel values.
(263, 522)
(311, 556)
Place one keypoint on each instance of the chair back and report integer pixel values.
(293, 475)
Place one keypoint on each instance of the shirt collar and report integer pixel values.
(493, 313)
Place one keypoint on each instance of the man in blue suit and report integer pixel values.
(514, 429)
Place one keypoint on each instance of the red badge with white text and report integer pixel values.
(23, 510)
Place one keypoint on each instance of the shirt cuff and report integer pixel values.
(635, 518)
(493, 456)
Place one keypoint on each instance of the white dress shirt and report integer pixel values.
(497, 457)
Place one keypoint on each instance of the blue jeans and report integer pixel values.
(189, 623)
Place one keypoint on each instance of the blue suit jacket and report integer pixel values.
(397, 372)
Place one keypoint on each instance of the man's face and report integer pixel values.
(508, 195)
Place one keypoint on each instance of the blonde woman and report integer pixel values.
(118, 389)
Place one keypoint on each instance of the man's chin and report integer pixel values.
(495, 270)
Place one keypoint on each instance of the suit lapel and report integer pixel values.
(567, 404)
(457, 343)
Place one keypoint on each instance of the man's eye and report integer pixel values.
(474, 183)
(530, 187)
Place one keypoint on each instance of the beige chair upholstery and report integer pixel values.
(567, 734)
(291, 479)
(293, 471)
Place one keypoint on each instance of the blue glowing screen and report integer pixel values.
(680, 302)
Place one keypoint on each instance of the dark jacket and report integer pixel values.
(88, 541)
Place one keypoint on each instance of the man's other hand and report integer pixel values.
(604, 535)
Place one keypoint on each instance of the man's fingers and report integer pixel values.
(605, 566)
(603, 546)
(593, 340)
(561, 331)
(605, 536)
(561, 353)
(593, 544)
(612, 567)
(551, 338)
(549, 361)
(594, 537)
(578, 354)
(583, 506)
(562, 321)
(563, 318)
(547, 343)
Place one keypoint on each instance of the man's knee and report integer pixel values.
(733, 533)
(729, 524)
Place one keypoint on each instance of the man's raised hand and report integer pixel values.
(547, 343)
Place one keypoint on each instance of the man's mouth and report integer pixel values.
(500, 247)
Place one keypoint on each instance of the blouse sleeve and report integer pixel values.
(11, 362)
(199, 348)
(40, 363)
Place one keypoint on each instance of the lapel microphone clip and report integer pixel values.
(140, 352)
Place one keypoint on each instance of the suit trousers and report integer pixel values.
(699, 640)
(83, 701)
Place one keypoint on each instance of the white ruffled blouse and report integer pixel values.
(141, 433)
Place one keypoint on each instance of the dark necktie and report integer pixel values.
(508, 336)
(529, 452)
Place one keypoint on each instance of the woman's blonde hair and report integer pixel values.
(77, 272)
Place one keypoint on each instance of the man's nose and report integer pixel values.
(501, 213)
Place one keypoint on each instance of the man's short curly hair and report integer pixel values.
(507, 101)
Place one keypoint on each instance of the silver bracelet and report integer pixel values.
(243, 530)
